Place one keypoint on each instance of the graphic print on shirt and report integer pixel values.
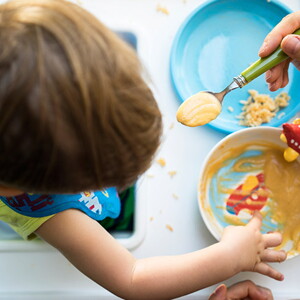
(34, 203)
(91, 201)
(97, 204)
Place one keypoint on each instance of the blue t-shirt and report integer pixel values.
(97, 204)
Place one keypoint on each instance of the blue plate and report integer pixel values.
(216, 43)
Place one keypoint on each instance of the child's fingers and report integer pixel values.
(267, 270)
(256, 221)
(270, 255)
(272, 239)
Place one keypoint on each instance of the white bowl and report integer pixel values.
(220, 199)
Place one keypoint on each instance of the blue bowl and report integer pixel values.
(216, 42)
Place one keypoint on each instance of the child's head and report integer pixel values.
(75, 113)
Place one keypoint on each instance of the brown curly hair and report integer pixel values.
(75, 112)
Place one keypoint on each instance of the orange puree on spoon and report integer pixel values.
(199, 109)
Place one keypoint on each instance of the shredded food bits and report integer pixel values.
(261, 108)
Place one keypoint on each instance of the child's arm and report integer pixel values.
(99, 256)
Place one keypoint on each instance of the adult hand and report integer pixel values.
(241, 290)
(281, 35)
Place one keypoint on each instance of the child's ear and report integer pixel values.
(9, 191)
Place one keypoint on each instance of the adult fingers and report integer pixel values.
(287, 26)
(285, 80)
(270, 255)
(296, 63)
(277, 77)
(247, 289)
(273, 74)
(276, 84)
(267, 270)
(291, 46)
(220, 293)
(241, 290)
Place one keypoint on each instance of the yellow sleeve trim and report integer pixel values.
(23, 225)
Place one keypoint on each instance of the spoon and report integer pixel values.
(204, 107)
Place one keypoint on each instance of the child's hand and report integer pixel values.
(281, 35)
(250, 248)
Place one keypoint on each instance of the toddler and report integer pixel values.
(78, 123)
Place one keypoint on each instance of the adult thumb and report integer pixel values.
(291, 46)
(220, 293)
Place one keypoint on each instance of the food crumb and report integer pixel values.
(162, 9)
(150, 175)
(151, 219)
(171, 125)
(230, 108)
(169, 227)
(175, 196)
(161, 162)
(172, 173)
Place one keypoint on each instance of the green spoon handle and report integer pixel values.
(266, 63)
